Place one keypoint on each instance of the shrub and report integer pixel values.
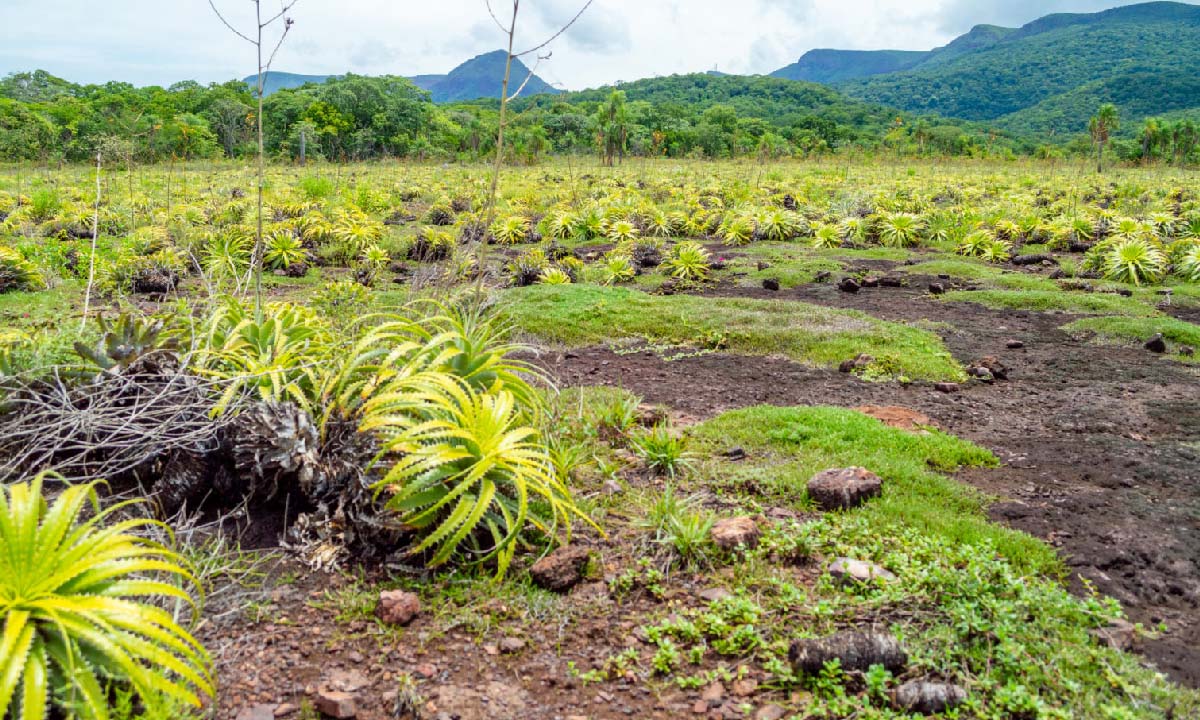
(76, 620)
(1133, 260)
(688, 261)
(17, 273)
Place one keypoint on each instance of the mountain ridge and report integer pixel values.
(1041, 77)
(478, 77)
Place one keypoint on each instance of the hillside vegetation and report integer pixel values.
(1049, 73)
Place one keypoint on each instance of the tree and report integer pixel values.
(1152, 133)
(612, 128)
(259, 91)
(1103, 124)
(230, 119)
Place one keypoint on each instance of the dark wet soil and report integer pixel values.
(1100, 445)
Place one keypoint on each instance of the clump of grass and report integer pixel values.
(1126, 329)
(662, 451)
(1048, 300)
(787, 446)
(578, 315)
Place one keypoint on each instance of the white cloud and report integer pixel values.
(161, 41)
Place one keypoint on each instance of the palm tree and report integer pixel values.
(1152, 134)
(1103, 124)
(612, 127)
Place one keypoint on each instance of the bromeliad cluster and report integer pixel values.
(420, 435)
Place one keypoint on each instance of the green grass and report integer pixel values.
(787, 446)
(578, 315)
(1124, 329)
(1054, 300)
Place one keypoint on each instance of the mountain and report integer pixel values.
(832, 66)
(480, 77)
(1045, 77)
(276, 81)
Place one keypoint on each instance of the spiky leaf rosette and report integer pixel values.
(1133, 260)
(75, 621)
(466, 471)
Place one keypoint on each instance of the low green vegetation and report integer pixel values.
(1126, 330)
(1088, 303)
(582, 315)
(787, 446)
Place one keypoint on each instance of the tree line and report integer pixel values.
(353, 118)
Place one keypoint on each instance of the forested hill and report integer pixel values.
(479, 77)
(782, 102)
(1045, 76)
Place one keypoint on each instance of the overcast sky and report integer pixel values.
(162, 41)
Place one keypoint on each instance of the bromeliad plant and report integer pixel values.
(462, 460)
(79, 623)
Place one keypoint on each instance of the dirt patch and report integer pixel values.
(1100, 445)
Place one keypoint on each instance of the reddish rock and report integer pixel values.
(1119, 635)
(560, 570)
(336, 704)
(845, 570)
(397, 607)
(844, 488)
(732, 533)
(861, 362)
(257, 712)
(899, 417)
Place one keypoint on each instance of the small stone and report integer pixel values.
(732, 533)
(713, 694)
(1156, 344)
(891, 282)
(510, 645)
(981, 373)
(714, 594)
(1014, 344)
(1187, 350)
(561, 570)
(844, 488)
(849, 285)
(425, 670)
(771, 284)
(744, 687)
(257, 712)
(734, 454)
(857, 651)
(700, 707)
(1119, 635)
(397, 607)
(860, 362)
(998, 369)
(947, 387)
(937, 289)
(870, 282)
(928, 698)
(286, 709)
(847, 570)
(770, 712)
(763, 265)
(336, 704)
(822, 276)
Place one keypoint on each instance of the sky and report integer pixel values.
(158, 42)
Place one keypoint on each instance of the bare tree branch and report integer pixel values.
(525, 82)
(494, 18)
(232, 29)
(287, 28)
(561, 30)
(281, 13)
